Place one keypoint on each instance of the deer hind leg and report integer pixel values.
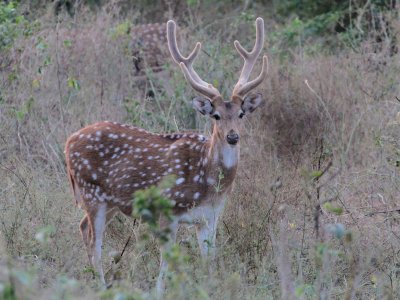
(86, 236)
(97, 224)
(92, 228)
(86, 232)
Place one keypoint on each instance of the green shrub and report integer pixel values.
(333, 24)
(10, 24)
(150, 205)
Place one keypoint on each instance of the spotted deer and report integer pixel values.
(148, 46)
(107, 162)
(150, 52)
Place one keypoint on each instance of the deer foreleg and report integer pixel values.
(206, 233)
(160, 287)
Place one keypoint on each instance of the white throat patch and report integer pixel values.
(229, 156)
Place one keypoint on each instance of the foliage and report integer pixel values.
(150, 205)
(12, 24)
(332, 23)
(341, 222)
(25, 109)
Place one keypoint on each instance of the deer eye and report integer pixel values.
(216, 116)
(241, 114)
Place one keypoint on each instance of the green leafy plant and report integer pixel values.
(121, 30)
(150, 205)
(44, 234)
(21, 112)
(332, 23)
(73, 83)
(337, 210)
(10, 22)
(218, 186)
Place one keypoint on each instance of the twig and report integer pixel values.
(226, 228)
(59, 82)
(21, 179)
(383, 212)
(126, 245)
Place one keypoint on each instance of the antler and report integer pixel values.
(242, 87)
(186, 64)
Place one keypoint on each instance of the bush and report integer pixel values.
(10, 24)
(333, 24)
(315, 202)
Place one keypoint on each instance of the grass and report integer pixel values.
(314, 212)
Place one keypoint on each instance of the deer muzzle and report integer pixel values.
(232, 138)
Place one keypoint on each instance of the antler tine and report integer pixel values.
(243, 86)
(186, 64)
(247, 87)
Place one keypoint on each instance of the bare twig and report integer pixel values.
(59, 83)
(370, 214)
(126, 245)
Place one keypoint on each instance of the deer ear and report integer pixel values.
(251, 102)
(203, 105)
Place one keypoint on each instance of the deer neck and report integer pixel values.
(222, 161)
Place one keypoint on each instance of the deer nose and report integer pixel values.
(232, 138)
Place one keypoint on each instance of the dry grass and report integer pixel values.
(335, 140)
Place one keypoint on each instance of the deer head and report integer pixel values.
(226, 115)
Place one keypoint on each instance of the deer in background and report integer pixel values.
(148, 46)
(107, 162)
(150, 53)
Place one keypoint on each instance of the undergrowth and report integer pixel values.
(314, 211)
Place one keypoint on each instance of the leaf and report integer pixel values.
(121, 30)
(47, 61)
(316, 174)
(215, 83)
(337, 210)
(73, 83)
(321, 248)
(67, 43)
(299, 291)
(20, 114)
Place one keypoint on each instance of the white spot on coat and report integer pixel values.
(211, 181)
(180, 180)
